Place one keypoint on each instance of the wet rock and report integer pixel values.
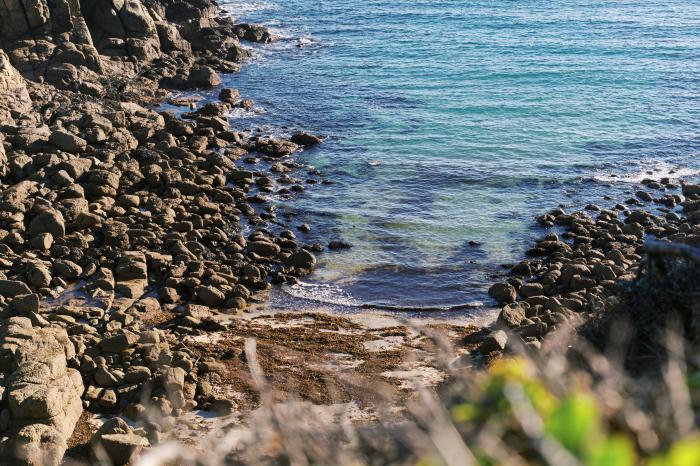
(338, 244)
(503, 292)
(302, 259)
(306, 139)
(264, 248)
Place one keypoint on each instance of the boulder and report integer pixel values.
(302, 259)
(67, 142)
(49, 221)
(123, 448)
(12, 288)
(503, 292)
(203, 76)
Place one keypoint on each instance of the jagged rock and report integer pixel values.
(13, 88)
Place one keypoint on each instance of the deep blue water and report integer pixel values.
(452, 122)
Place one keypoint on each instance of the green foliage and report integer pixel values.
(683, 453)
(575, 423)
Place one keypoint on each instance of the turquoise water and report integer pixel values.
(451, 124)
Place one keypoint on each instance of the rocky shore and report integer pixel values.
(124, 230)
(581, 269)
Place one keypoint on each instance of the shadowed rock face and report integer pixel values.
(12, 85)
(43, 394)
(39, 35)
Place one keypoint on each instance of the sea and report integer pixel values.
(449, 125)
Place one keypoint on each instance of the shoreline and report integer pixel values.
(126, 275)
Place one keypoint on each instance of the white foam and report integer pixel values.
(321, 292)
(652, 170)
(242, 8)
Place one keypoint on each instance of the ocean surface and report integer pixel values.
(451, 124)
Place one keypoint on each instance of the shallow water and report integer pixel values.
(451, 124)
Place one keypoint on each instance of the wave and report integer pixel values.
(332, 295)
(647, 171)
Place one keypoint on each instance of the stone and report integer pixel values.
(68, 142)
(173, 381)
(137, 374)
(305, 139)
(264, 248)
(302, 259)
(39, 276)
(503, 292)
(49, 221)
(39, 445)
(118, 343)
(42, 241)
(496, 341)
(512, 315)
(12, 288)
(211, 296)
(531, 289)
(26, 303)
(123, 448)
(203, 76)
(68, 270)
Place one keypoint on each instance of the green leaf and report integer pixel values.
(683, 453)
(575, 422)
(465, 412)
(614, 451)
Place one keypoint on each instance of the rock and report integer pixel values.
(12, 288)
(26, 303)
(42, 241)
(123, 448)
(254, 33)
(337, 244)
(173, 381)
(264, 248)
(512, 315)
(39, 445)
(137, 374)
(104, 378)
(203, 76)
(38, 276)
(211, 296)
(68, 269)
(49, 221)
(118, 343)
(302, 259)
(305, 139)
(531, 289)
(503, 292)
(496, 341)
(68, 142)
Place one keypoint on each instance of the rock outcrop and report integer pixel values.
(43, 394)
